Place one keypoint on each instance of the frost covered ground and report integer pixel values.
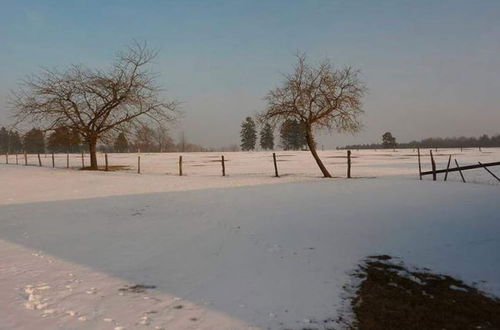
(244, 251)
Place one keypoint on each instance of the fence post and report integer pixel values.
(138, 164)
(39, 161)
(53, 161)
(447, 168)
(419, 164)
(433, 164)
(275, 166)
(67, 160)
(487, 170)
(348, 164)
(7, 158)
(459, 170)
(83, 161)
(223, 166)
(17, 160)
(25, 159)
(180, 165)
(106, 162)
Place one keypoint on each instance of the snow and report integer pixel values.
(365, 163)
(244, 251)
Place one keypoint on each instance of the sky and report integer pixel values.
(432, 68)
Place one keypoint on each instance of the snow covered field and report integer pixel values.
(365, 163)
(244, 251)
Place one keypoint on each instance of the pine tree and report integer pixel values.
(248, 134)
(34, 141)
(292, 134)
(121, 143)
(4, 140)
(267, 137)
(15, 142)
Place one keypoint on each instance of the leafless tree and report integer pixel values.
(95, 102)
(163, 139)
(320, 97)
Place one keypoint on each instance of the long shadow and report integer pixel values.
(281, 251)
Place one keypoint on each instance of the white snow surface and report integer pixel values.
(240, 252)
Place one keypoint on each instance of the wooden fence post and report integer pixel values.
(25, 159)
(447, 168)
(83, 161)
(39, 161)
(223, 166)
(106, 162)
(17, 160)
(433, 164)
(67, 160)
(496, 177)
(138, 164)
(419, 164)
(460, 171)
(275, 166)
(348, 164)
(7, 158)
(53, 161)
(180, 165)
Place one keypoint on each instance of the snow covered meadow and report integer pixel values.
(299, 164)
(238, 252)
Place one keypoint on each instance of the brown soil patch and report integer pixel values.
(392, 297)
(111, 168)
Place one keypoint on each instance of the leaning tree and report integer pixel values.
(96, 103)
(319, 97)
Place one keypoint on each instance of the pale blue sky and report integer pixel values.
(432, 67)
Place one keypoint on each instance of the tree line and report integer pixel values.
(388, 141)
(64, 139)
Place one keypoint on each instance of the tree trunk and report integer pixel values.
(93, 153)
(312, 148)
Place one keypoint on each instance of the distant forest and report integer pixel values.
(450, 142)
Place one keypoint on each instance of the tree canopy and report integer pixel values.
(95, 102)
(320, 97)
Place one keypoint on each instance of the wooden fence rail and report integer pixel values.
(461, 168)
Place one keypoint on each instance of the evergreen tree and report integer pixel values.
(4, 140)
(293, 135)
(267, 137)
(121, 143)
(10, 141)
(16, 144)
(248, 134)
(64, 139)
(34, 141)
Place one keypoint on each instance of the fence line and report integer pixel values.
(241, 167)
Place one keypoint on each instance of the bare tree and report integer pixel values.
(94, 102)
(320, 97)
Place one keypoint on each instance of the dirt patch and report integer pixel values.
(111, 168)
(392, 297)
(137, 288)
